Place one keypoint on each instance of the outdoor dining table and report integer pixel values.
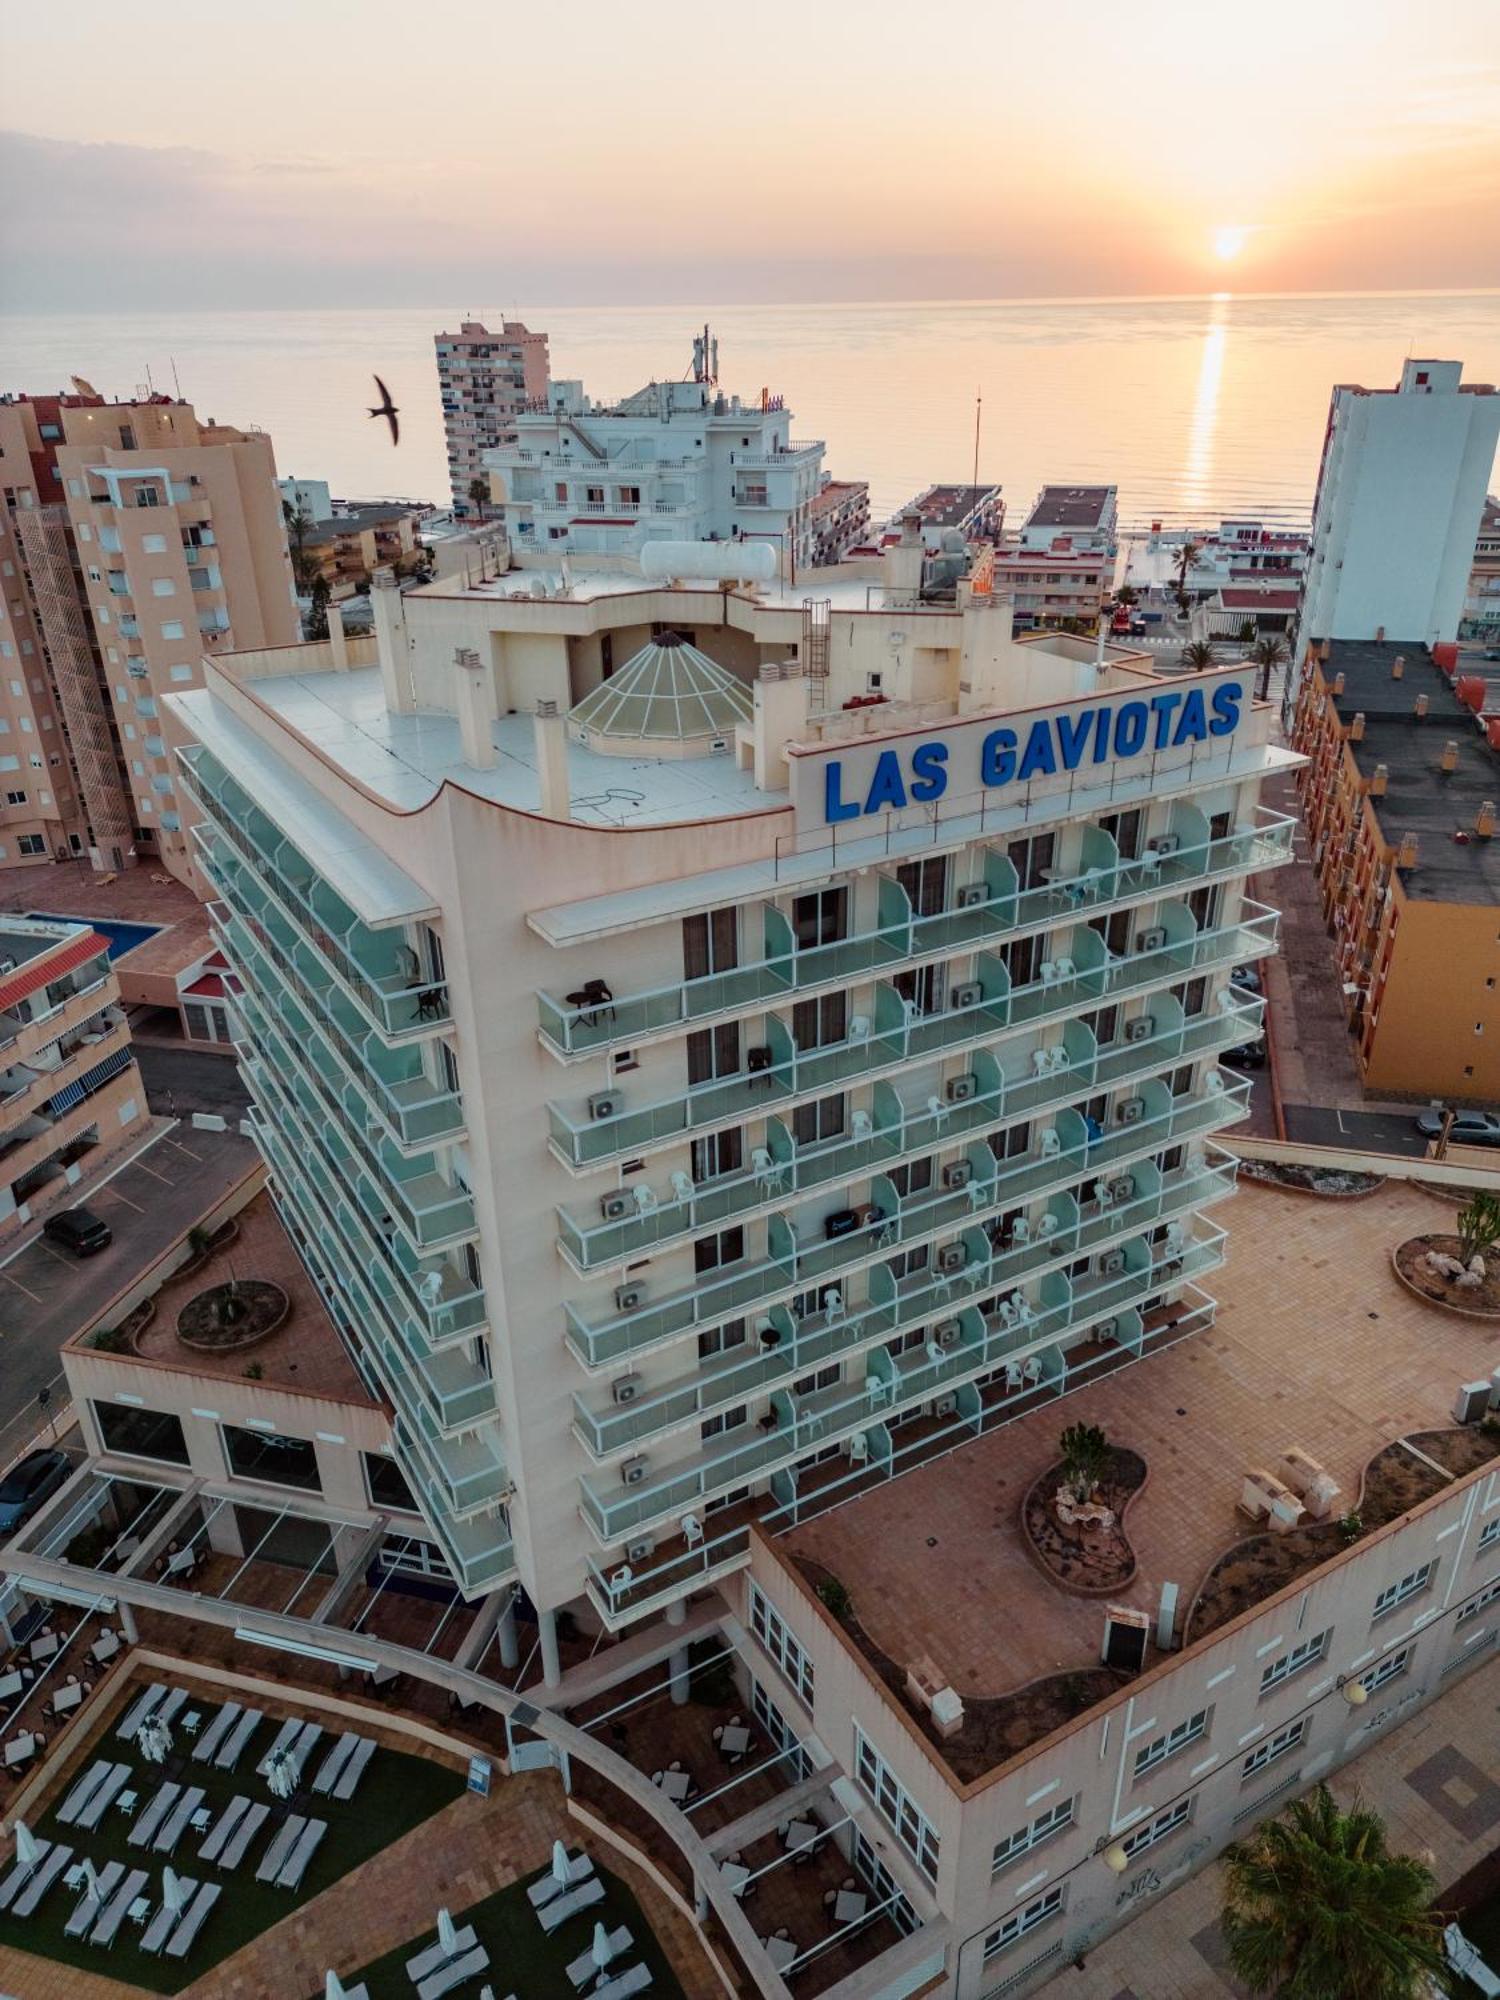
(736, 1875)
(675, 1784)
(734, 1741)
(21, 1749)
(105, 1646)
(849, 1905)
(68, 1697)
(11, 1683)
(781, 1951)
(43, 1647)
(801, 1833)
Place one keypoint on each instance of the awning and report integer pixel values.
(49, 965)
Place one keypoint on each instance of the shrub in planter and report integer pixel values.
(835, 1598)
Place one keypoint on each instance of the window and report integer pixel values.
(1053, 1820)
(821, 1378)
(820, 918)
(914, 1177)
(818, 1024)
(1293, 1662)
(1389, 1669)
(1158, 1828)
(32, 843)
(926, 885)
(1275, 1746)
(711, 1253)
(163, 586)
(724, 1420)
(774, 1634)
(386, 1484)
(891, 1801)
(154, 545)
(713, 1052)
(1411, 1585)
(718, 1154)
(1015, 1927)
(710, 944)
(1032, 857)
(283, 1461)
(1489, 1534)
(172, 629)
(819, 1121)
(721, 1339)
(1162, 1747)
(130, 1433)
(1477, 1604)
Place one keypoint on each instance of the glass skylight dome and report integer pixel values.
(669, 701)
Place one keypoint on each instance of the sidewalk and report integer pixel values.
(1435, 1781)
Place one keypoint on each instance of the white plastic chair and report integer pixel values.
(859, 1027)
(937, 1110)
(1013, 1375)
(1051, 1143)
(682, 1186)
(833, 1308)
(1041, 1061)
(1066, 969)
(861, 1124)
(1020, 1234)
(1048, 1225)
(1033, 1369)
(1050, 973)
(645, 1200)
(764, 1166)
(979, 1194)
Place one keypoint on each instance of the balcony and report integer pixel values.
(1083, 976)
(895, 1132)
(27, 1028)
(789, 1348)
(1075, 1154)
(811, 1423)
(378, 969)
(478, 1549)
(1002, 910)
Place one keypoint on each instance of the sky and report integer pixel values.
(183, 153)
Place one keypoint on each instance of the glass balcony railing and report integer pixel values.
(774, 1360)
(1084, 976)
(628, 1591)
(1002, 910)
(378, 969)
(417, 1199)
(1075, 1151)
(895, 1133)
(414, 1110)
(810, 1423)
(478, 1549)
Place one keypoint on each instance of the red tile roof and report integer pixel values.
(49, 965)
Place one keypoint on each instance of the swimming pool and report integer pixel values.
(120, 937)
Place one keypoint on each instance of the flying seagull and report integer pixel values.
(387, 409)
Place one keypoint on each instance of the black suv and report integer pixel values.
(78, 1230)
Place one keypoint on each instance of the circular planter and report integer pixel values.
(1322, 1183)
(1089, 1562)
(227, 1318)
(1408, 1263)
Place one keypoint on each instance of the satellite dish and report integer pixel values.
(82, 388)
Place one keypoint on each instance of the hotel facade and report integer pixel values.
(735, 1124)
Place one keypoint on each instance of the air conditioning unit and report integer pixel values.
(1151, 940)
(957, 1174)
(1131, 1112)
(945, 1406)
(639, 1552)
(1107, 1329)
(1172, 1269)
(1165, 843)
(626, 1389)
(972, 894)
(1141, 1029)
(947, 1333)
(959, 1089)
(1122, 1188)
(615, 1207)
(629, 1298)
(1112, 1263)
(952, 1257)
(605, 1104)
(634, 1470)
(1471, 1402)
(969, 994)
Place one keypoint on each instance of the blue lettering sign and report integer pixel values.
(1192, 726)
(1072, 734)
(1226, 707)
(834, 807)
(1038, 754)
(1162, 706)
(1131, 722)
(997, 760)
(929, 774)
(887, 787)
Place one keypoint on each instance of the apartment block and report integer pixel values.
(839, 517)
(1399, 797)
(1063, 586)
(1481, 612)
(70, 1094)
(1082, 518)
(1401, 490)
(113, 509)
(484, 380)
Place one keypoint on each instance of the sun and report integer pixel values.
(1229, 240)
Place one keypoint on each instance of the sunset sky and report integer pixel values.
(174, 153)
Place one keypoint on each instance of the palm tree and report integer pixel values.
(1085, 1456)
(479, 493)
(1200, 656)
(1268, 654)
(1316, 1907)
(305, 565)
(1127, 594)
(1187, 555)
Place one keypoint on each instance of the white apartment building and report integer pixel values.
(484, 378)
(1481, 612)
(1084, 519)
(1401, 490)
(677, 461)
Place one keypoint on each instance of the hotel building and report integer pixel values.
(70, 1095)
(1401, 489)
(111, 510)
(1082, 518)
(484, 378)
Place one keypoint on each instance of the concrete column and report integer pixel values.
(336, 640)
(677, 1665)
(128, 1627)
(552, 760)
(390, 635)
(546, 1625)
(510, 1650)
(471, 702)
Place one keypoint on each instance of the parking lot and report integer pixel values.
(46, 1295)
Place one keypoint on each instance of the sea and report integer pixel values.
(1193, 407)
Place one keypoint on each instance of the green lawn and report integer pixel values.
(523, 1959)
(396, 1794)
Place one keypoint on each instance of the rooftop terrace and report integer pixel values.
(1315, 1345)
(143, 895)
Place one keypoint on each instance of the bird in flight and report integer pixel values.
(387, 409)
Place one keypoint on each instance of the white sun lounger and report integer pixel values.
(112, 1915)
(165, 1920)
(456, 1973)
(558, 1912)
(175, 1825)
(84, 1790)
(636, 1980)
(280, 1847)
(239, 1841)
(175, 1698)
(282, 1740)
(428, 1961)
(218, 1834)
(144, 1831)
(233, 1747)
(191, 1920)
(86, 1915)
(580, 1867)
(115, 1780)
(583, 1968)
(43, 1876)
(303, 1850)
(138, 1710)
(332, 1767)
(354, 1769)
(207, 1746)
(22, 1871)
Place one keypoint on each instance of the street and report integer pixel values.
(46, 1295)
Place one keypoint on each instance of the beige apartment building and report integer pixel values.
(484, 378)
(138, 540)
(70, 1095)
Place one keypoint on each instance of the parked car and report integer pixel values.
(1250, 1055)
(1470, 1128)
(28, 1484)
(78, 1230)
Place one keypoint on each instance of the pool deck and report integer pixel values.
(72, 889)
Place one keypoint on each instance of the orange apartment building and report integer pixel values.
(1399, 797)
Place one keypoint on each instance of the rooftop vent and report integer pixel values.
(1338, 683)
(1398, 665)
(1357, 727)
(1419, 708)
(1379, 781)
(1449, 759)
(1410, 851)
(1484, 820)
